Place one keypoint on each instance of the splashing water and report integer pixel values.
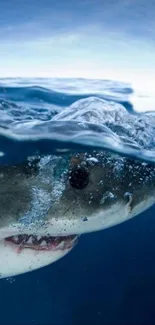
(52, 116)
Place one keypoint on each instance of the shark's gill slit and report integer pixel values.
(47, 243)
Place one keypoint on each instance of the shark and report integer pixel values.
(47, 203)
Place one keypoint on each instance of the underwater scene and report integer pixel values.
(77, 162)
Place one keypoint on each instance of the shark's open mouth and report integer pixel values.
(42, 242)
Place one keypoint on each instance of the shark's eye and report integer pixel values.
(79, 178)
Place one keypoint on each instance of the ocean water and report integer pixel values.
(109, 276)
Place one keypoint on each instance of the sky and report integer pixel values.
(107, 39)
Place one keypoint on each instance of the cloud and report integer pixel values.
(46, 17)
(88, 38)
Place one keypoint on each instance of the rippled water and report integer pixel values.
(46, 116)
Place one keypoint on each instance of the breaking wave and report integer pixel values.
(52, 116)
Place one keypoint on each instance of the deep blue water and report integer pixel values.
(109, 277)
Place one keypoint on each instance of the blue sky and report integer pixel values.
(109, 39)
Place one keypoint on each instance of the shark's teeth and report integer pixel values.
(61, 245)
(42, 243)
(30, 240)
(16, 238)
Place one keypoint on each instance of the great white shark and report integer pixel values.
(46, 204)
